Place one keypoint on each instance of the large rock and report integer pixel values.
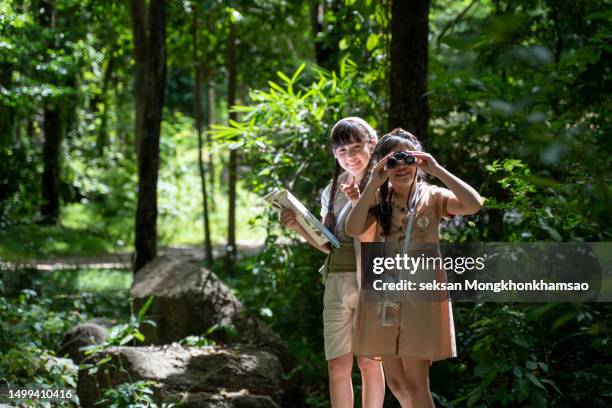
(189, 300)
(214, 376)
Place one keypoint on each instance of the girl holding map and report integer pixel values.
(353, 142)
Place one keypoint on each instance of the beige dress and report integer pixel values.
(425, 329)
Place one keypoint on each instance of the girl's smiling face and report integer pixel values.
(354, 157)
(401, 176)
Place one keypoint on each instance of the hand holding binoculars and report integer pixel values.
(394, 160)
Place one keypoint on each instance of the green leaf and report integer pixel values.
(474, 398)
(552, 384)
(554, 234)
(284, 77)
(211, 329)
(126, 339)
(372, 42)
(534, 380)
(145, 307)
(343, 44)
(276, 87)
(139, 336)
(298, 71)
(518, 373)
(104, 361)
(522, 386)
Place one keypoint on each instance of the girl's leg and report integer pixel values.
(372, 382)
(340, 383)
(416, 380)
(394, 374)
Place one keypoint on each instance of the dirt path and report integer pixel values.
(123, 260)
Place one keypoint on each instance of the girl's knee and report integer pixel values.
(398, 387)
(368, 364)
(415, 386)
(340, 366)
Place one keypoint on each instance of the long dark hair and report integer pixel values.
(384, 210)
(346, 131)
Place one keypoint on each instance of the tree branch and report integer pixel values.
(453, 22)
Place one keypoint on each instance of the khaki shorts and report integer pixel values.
(339, 312)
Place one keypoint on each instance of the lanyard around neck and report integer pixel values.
(412, 211)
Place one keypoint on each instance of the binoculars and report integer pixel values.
(394, 160)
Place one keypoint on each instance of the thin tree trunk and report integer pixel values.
(7, 113)
(558, 33)
(198, 124)
(210, 119)
(233, 158)
(52, 128)
(149, 37)
(102, 140)
(408, 78)
(210, 114)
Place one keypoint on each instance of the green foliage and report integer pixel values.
(36, 309)
(132, 395)
(284, 133)
(523, 81)
(44, 242)
(519, 108)
(203, 340)
(122, 334)
(517, 355)
(29, 334)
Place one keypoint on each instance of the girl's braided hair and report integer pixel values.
(346, 131)
(384, 210)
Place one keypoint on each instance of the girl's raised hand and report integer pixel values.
(351, 190)
(288, 218)
(426, 162)
(380, 173)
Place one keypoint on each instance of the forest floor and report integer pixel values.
(123, 260)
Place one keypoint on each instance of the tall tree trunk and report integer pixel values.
(210, 118)
(210, 114)
(325, 54)
(52, 128)
(102, 99)
(149, 35)
(198, 124)
(408, 78)
(7, 113)
(230, 257)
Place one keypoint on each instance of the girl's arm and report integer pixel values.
(357, 222)
(357, 219)
(466, 201)
(288, 218)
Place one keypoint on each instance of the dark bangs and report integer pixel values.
(388, 143)
(346, 132)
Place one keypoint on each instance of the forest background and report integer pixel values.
(137, 126)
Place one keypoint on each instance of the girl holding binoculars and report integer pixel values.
(396, 199)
